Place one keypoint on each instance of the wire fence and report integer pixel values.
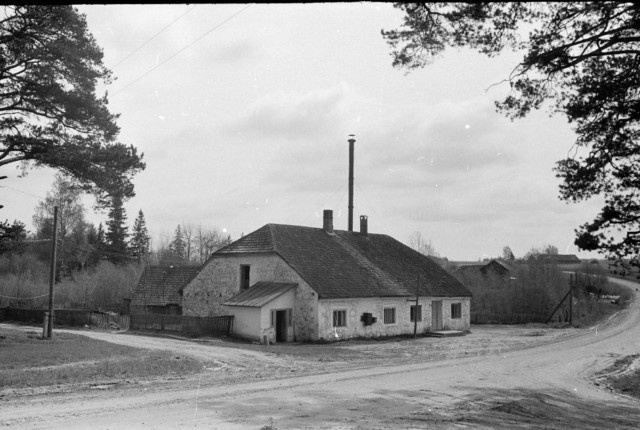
(67, 317)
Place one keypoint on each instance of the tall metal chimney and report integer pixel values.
(351, 141)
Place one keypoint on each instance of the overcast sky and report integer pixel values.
(243, 114)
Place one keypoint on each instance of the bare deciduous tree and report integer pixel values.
(422, 245)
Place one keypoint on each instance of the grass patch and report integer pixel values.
(27, 360)
(629, 382)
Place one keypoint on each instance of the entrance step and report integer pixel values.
(445, 333)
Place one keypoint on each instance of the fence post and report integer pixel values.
(45, 326)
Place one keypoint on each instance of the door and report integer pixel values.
(436, 315)
(281, 326)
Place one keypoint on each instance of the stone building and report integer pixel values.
(289, 283)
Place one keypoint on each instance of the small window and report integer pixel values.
(416, 313)
(389, 315)
(339, 318)
(244, 277)
(456, 310)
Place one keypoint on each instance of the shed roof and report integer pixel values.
(346, 264)
(260, 294)
(160, 285)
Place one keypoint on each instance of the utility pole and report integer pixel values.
(415, 312)
(52, 274)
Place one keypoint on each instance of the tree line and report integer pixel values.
(96, 266)
(530, 288)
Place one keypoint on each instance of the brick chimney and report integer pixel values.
(364, 227)
(327, 224)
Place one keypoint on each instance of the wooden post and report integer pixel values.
(571, 304)
(52, 274)
(45, 325)
(415, 312)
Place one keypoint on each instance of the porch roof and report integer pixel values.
(259, 294)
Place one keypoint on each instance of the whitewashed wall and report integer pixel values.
(403, 325)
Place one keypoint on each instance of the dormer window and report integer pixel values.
(244, 276)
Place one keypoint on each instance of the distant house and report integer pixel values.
(299, 283)
(493, 267)
(159, 289)
(558, 259)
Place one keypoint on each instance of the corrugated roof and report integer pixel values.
(160, 285)
(260, 294)
(346, 264)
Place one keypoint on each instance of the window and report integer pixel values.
(339, 318)
(244, 277)
(456, 310)
(416, 313)
(389, 315)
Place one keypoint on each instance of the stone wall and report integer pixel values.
(219, 280)
(463, 323)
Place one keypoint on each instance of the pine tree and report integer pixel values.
(52, 113)
(140, 240)
(117, 232)
(97, 244)
(178, 245)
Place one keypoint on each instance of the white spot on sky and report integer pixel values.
(467, 126)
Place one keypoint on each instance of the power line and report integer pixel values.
(20, 191)
(183, 49)
(153, 37)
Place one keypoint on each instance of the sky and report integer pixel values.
(243, 113)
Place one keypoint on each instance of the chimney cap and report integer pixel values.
(364, 225)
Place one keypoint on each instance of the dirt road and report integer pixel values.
(481, 380)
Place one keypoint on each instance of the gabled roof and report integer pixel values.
(160, 285)
(494, 266)
(347, 264)
(260, 294)
(558, 258)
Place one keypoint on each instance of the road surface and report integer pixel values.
(546, 386)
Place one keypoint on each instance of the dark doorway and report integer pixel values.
(281, 326)
(436, 315)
